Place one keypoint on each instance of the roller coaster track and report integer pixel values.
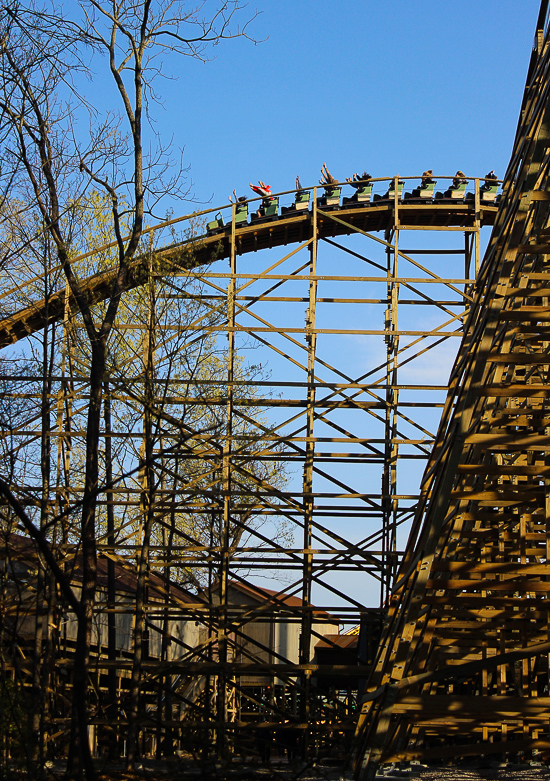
(260, 235)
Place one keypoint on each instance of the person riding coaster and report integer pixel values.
(264, 190)
(331, 198)
(363, 189)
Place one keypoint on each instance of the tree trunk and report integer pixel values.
(112, 706)
(147, 484)
(80, 757)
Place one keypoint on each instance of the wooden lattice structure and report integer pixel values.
(217, 475)
(463, 667)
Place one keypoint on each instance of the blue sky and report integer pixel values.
(393, 87)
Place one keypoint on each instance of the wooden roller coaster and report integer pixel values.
(277, 494)
(267, 415)
(463, 667)
(293, 229)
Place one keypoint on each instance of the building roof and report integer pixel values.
(23, 549)
(348, 642)
(354, 630)
(279, 598)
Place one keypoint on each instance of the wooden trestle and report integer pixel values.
(218, 476)
(464, 664)
(222, 459)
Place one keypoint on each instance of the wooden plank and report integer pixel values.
(534, 249)
(504, 495)
(534, 390)
(520, 359)
(504, 567)
(504, 469)
(528, 292)
(526, 314)
(514, 584)
(512, 441)
(491, 707)
(468, 749)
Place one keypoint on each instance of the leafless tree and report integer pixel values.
(50, 161)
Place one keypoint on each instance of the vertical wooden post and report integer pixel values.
(477, 226)
(389, 477)
(223, 628)
(308, 498)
